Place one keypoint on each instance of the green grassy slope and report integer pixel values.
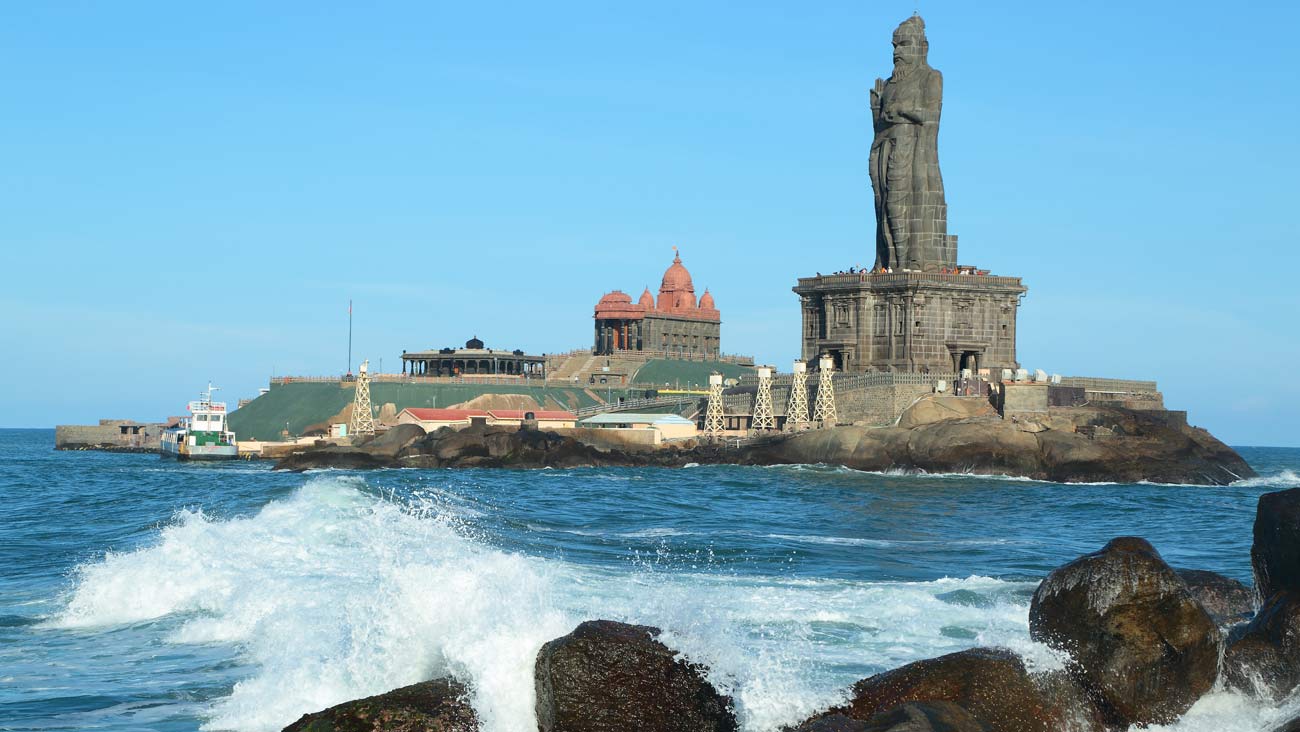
(662, 371)
(300, 404)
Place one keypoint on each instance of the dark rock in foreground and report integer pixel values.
(430, 706)
(1263, 657)
(989, 684)
(611, 677)
(1275, 553)
(1143, 648)
(1225, 599)
(910, 717)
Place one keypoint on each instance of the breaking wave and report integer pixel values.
(334, 592)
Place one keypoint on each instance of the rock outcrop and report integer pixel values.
(989, 684)
(1275, 553)
(1263, 657)
(1061, 447)
(430, 706)
(1225, 599)
(1142, 646)
(1140, 447)
(611, 677)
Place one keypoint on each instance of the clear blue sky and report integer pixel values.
(195, 191)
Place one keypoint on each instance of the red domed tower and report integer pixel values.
(674, 327)
(676, 292)
(707, 309)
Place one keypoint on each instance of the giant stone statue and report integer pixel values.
(911, 214)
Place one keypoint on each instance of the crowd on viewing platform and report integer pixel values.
(958, 270)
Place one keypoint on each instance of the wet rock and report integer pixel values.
(1142, 646)
(339, 457)
(1292, 726)
(1263, 657)
(611, 677)
(989, 684)
(926, 717)
(830, 723)
(910, 717)
(430, 706)
(1225, 599)
(1275, 552)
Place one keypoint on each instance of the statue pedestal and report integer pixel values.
(911, 322)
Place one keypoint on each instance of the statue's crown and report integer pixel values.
(913, 26)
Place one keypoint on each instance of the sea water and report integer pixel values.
(142, 594)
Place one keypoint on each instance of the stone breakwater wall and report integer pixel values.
(109, 433)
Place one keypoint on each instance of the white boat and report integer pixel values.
(202, 435)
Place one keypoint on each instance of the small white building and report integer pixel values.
(666, 426)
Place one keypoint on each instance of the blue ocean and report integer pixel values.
(142, 594)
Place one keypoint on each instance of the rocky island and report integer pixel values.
(934, 435)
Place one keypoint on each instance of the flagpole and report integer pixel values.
(349, 370)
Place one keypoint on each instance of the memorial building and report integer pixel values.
(673, 326)
(917, 310)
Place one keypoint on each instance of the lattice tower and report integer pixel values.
(796, 414)
(713, 415)
(824, 409)
(764, 418)
(363, 418)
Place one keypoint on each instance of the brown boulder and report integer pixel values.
(934, 408)
(391, 441)
(1263, 657)
(910, 717)
(611, 677)
(1275, 552)
(1143, 647)
(990, 684)
(430, 706)
(1225, 599)
(926, 717)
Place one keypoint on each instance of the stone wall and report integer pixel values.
(1128, 393)
(109, 433)
(870, 399)
(613, 439)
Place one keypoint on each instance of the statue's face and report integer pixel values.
(909, 48)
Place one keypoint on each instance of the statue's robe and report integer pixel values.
(911, 214)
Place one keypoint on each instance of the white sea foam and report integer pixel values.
(332, 594)
(1284, 479)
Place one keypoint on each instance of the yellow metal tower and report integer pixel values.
(764, 418)
(796, 414)
(713, 421)
(363, 418)
(824, 409)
